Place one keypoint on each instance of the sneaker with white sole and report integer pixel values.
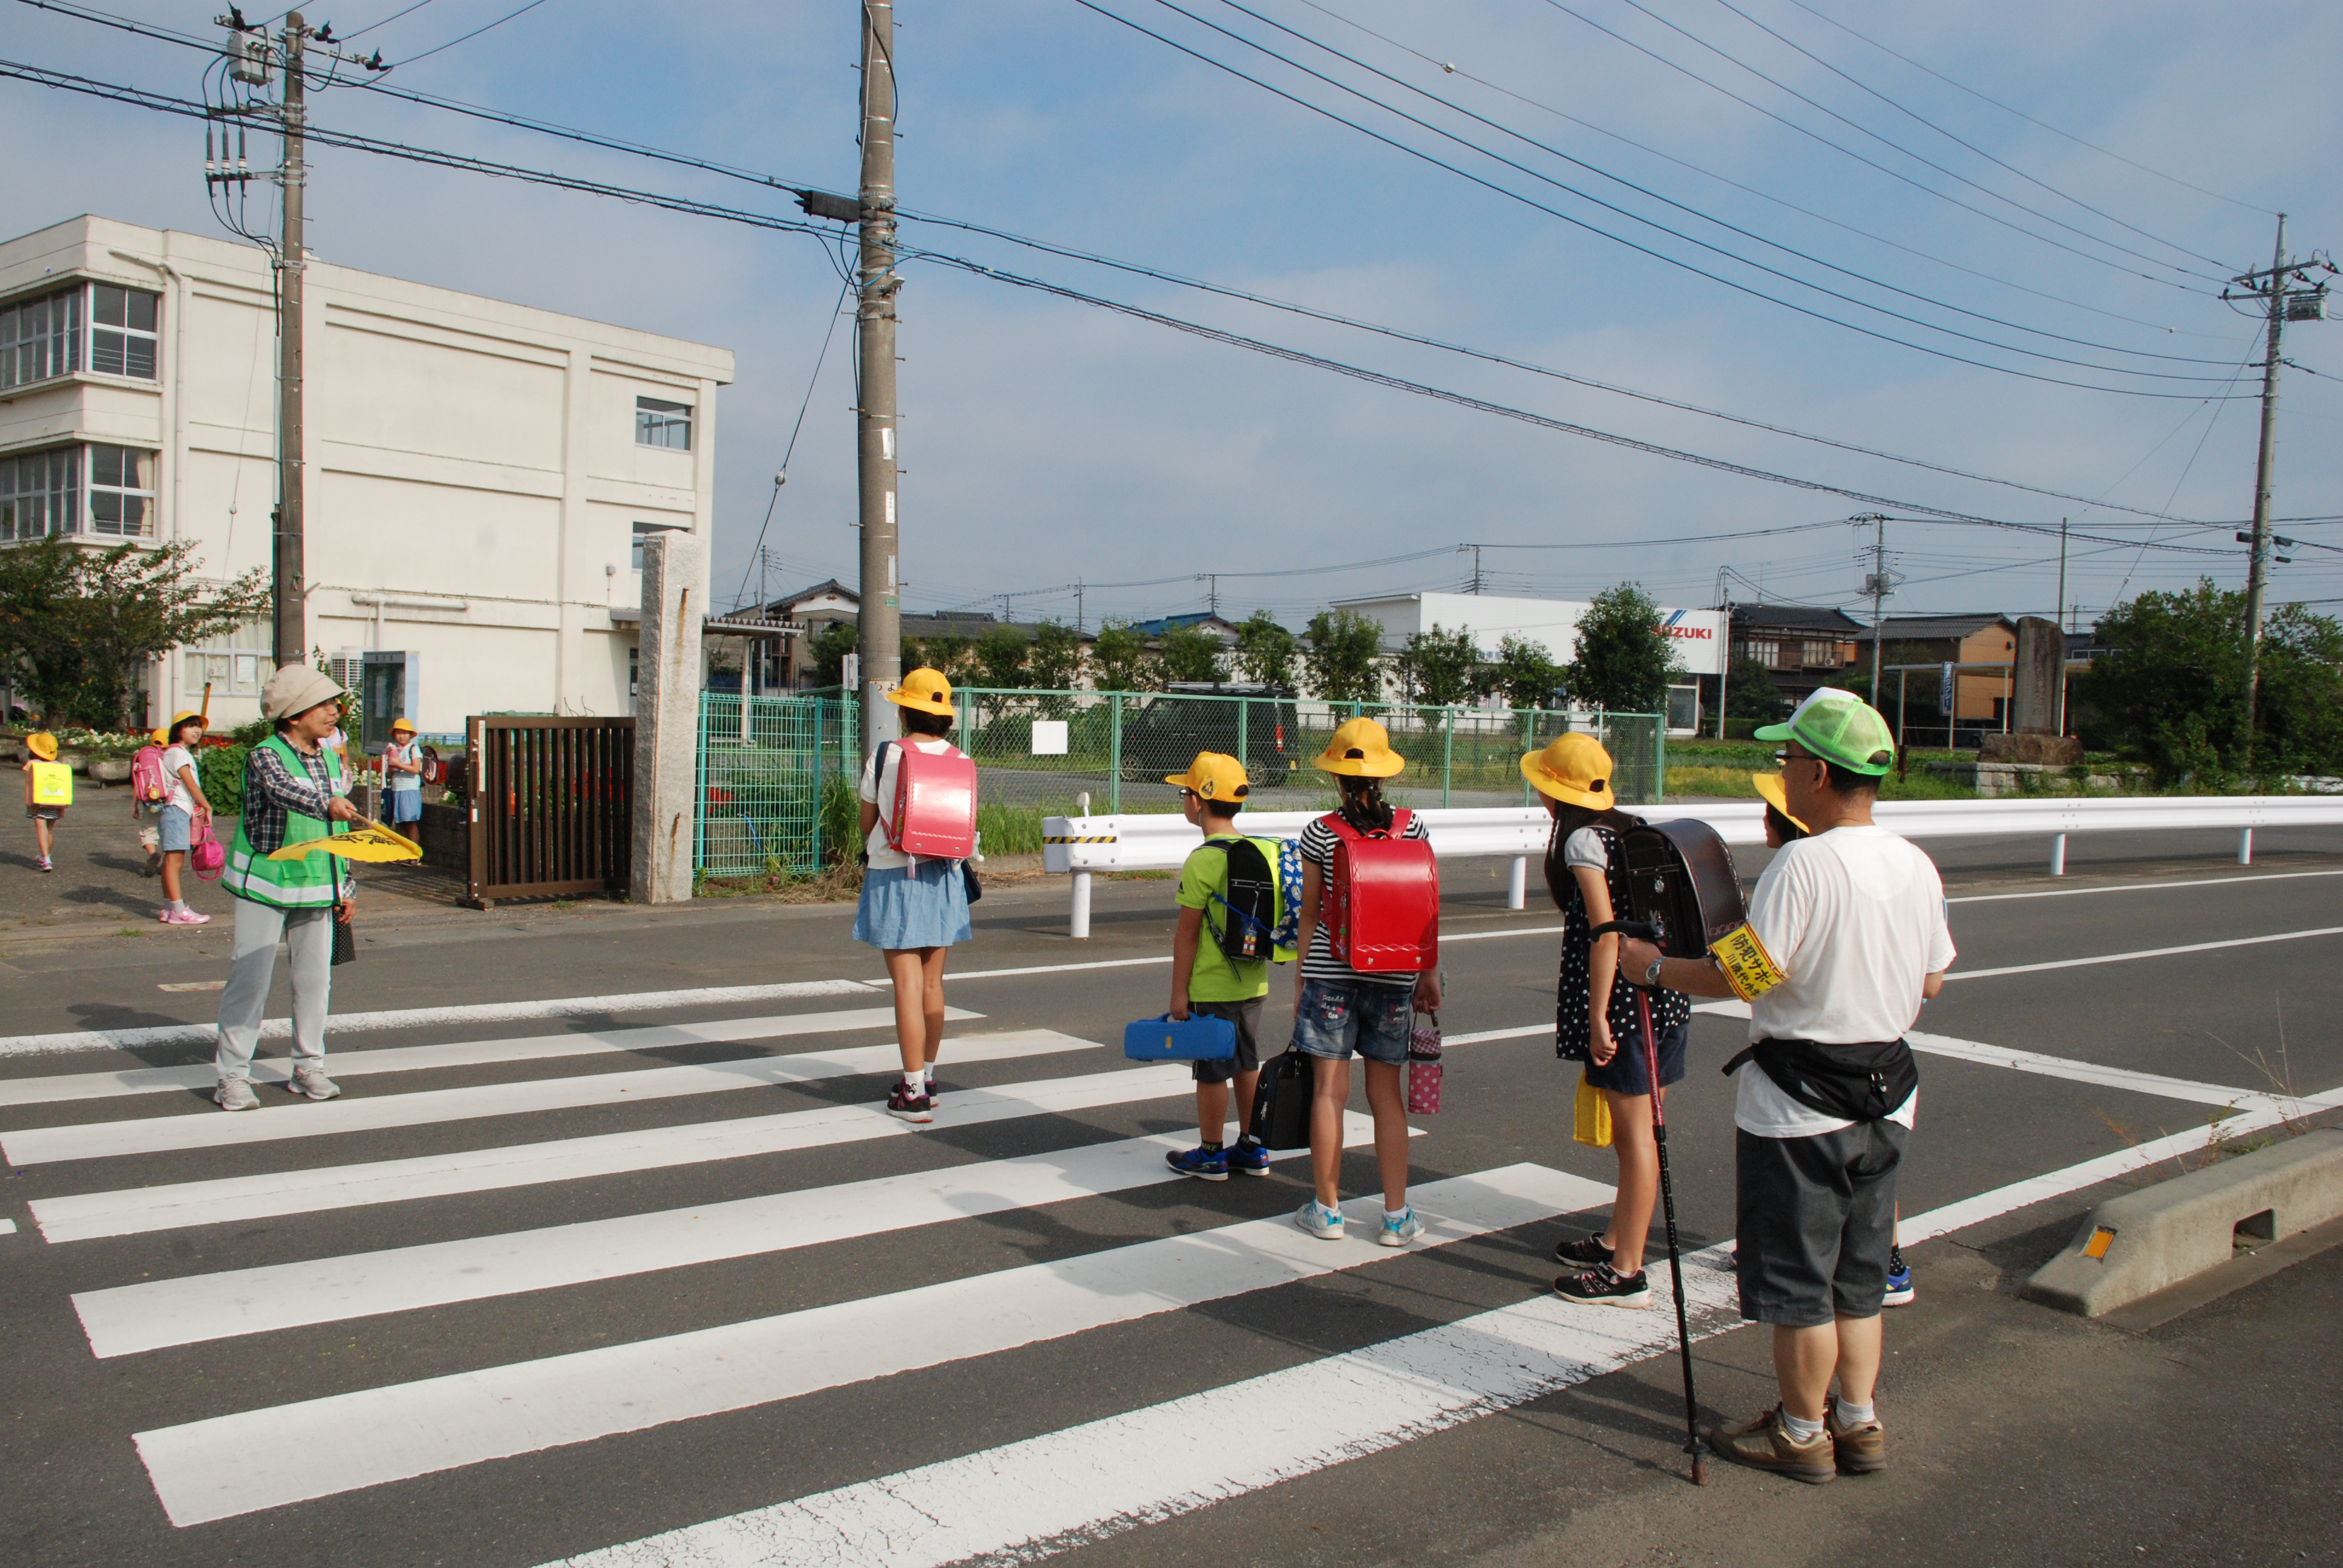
(1320, 1222)
(311, 1083)
(1247, 1158)
(235, 1095)
(906, 1106)
(1604, 1286)
(1899, 1279)
(1584, 1253)
(1400, 1231)
(185, 918)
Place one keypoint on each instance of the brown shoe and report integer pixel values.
(1862, 1450)
(1765, 1443)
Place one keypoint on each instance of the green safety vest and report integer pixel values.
(311, 882)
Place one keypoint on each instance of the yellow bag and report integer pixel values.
(1593, 1116)
(51, 784)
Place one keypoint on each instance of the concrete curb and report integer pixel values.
(2142, 1242)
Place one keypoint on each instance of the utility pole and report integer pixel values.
(1077, 609)
(1213, 593)
(881, 641)
(1476, 567)
(290, 642)
(2062, 626)
(1878, 584)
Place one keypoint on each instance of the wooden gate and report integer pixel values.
(551, 806)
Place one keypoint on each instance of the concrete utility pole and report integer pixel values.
(1878, 585)
(881, 641)
(2258, 568)
(290, 642)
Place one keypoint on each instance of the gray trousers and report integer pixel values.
(308, 936)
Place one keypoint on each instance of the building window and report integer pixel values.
(658, 423)
(98, 326)
(233, 664)
(40, 494)
(644, 531)
(121, 491)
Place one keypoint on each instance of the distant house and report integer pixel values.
(1981, 700)
(1217, 627)
(1803, 646)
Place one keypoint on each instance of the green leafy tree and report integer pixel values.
(1750, 692)
(1266, 651)
(78, 627)
(1524, 672)
(1624, 663)
(1056, 659)
(828, 648)
(1120, 659)
(2171, 688)
(1438, 667)
(1190, 653)
(1343, 649)
(999, 654)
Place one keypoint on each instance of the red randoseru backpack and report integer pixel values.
(1382, 911)
(935, 804)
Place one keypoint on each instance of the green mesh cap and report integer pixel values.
(1839, 727)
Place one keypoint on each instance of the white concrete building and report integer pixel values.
(480, 473)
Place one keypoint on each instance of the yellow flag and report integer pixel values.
(370, 841)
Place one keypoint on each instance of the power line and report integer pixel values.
(386, 21)
(468, 37)
(757, 551)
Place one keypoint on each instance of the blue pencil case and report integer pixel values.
(1194, 1038)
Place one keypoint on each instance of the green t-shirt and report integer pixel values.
(1217, 976)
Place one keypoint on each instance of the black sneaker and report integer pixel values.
(907, 1105)
(1583, 1254)
(1604, 1286)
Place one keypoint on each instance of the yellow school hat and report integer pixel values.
(1573, 769)
(1215, 775)
(1360, 749)
(1769, 785)
(43, 746)
(398, 724)
(925, 689)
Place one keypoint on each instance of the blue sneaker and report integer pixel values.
(1249, 1158)
(1320, 1222)
(1400, 1231)
(1899, 1279)
(1210, 1164)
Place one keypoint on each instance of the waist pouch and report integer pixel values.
(1854, 1082)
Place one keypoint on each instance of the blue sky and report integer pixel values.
(1046, 442)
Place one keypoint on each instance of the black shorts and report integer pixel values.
(1815, 1218)
(1246, 1016)
(1625, 1072)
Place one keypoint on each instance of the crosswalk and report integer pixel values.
(151, 1187)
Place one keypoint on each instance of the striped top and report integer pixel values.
(1318, 842)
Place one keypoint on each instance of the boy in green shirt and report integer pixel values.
(1209, 982)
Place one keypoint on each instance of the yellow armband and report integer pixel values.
(1748, 968)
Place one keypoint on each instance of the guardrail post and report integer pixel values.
(2245, 846)
(1517, 884)
(1078, 922)
(2059, 854)
(1113, 770)
(1447, 753)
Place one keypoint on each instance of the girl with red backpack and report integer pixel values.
(1369, 937)
(918, 828)
(1596, 1017)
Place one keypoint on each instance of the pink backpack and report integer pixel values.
(147, 776)
(935, 804)
(209, 856)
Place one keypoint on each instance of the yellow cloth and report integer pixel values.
(371, 842)
(1593, 1118)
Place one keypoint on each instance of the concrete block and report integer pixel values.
(2145, 1241)
(666, 716)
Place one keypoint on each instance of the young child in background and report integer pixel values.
(186, 812)
(1207, 979)
(49, 791)
(402, 776)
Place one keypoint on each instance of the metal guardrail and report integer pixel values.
(1082, 846)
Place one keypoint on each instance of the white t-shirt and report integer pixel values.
(176, 793)
(1855, 917)
(412, 752)
(880, 792)
(1584, 847)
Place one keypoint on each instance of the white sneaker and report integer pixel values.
(235, 1095)
(1320, 1222)
(312, 1082)
(1399, 1232)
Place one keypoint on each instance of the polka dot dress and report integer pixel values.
(1572, 1031)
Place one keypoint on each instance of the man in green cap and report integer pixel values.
(1846, 938)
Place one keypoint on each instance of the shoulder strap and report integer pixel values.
(1401, 818)
(1339, 827)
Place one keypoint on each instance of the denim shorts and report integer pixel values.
(1337, 1016)
(179, 831)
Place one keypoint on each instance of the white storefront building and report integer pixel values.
(481, 474)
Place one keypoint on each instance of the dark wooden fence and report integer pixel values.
(551, 803)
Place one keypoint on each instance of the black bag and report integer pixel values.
(974, 889)
(1250, 905)
(1853, 1083)
(346, 936)
(1280, 1105)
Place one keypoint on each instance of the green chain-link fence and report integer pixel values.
(763, 772)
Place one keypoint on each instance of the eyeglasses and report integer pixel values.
(1783, 756)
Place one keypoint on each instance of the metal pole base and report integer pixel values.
(1078, 924)
(1517, 884)
(2059, 854)
(2245, 846)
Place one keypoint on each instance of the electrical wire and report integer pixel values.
(386, 21)
(790, 450)
(468, 37)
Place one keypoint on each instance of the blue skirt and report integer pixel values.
(902, 908)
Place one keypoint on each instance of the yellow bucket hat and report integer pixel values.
(1769, 785)
(1360, 749)
(161, 737)
(43, 746)
(1573, 769)
(398, 724)
(925, 689)
(1215, 775)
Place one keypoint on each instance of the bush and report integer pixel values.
(220, 770)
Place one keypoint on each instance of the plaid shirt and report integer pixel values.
(272, 792)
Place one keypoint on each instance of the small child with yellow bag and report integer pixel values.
(49, 791)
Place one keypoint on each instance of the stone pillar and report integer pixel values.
(2041, 661)
(666, 716)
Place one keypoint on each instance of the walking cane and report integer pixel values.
(1675, 1262)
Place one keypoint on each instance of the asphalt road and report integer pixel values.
(548, 1381)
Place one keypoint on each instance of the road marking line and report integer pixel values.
(433, 1107)
(2138, 886)
(194, 985)
(265, 1458)
(1166, 958)
(205, 1034)
(7, 1227)
(1081, 1485)
(199, 1307)
(460, 1053)
(2143, 953)
(133, 1211)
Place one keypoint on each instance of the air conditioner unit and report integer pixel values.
(347, 667)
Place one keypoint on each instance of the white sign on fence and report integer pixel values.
(1049, 738)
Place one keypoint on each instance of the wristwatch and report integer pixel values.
(1651, 974)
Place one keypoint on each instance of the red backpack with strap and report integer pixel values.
(1382, 904)
(934, 814)
(148, 779)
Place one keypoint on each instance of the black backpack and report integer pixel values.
(1251, 903)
